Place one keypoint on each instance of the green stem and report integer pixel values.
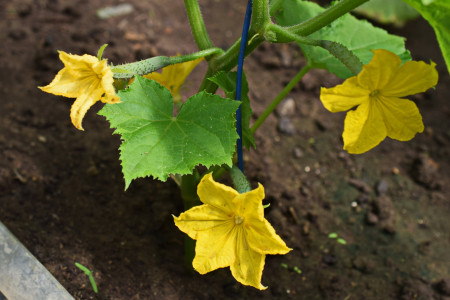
(280, 97)
(208, 85)
(190, 199)
(284, 32)
(195, 55)
(326, 17)
(260, 16)
(197, 25)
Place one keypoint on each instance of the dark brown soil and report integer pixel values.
(62, 192)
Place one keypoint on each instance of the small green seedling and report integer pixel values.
(334, 235)
(295, 268)
(89, 273)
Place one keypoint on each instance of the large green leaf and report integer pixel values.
(155, 143)
(227, 82)
(437, 13)
(359, 36)
(396, 12)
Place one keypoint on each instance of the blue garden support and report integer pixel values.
(248, 16)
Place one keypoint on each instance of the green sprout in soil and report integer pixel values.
(334, 235)
(89, 273)
(295, 268)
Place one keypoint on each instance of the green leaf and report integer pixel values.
(388, 11)
(358, 36)
(333, 235)
(437, 13)
(157, 144)
(227, 82)
(342, 241)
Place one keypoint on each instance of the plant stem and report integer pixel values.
(197, 25)
(284, 32)
(326, 17)
(195, 55)
(260, 16)
(280, 97)
(190, 199)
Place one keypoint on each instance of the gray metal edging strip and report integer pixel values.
(22, 276)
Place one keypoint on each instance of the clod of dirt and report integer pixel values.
(72, 11)
(270, 61)
(286, 56)
(384, 210)
(382, 187)
(286, 108)
(363, 264)
(323, 123)
(424, 247)
(286, 126)
(425, 172)
(5, 181)
(443, 286)
(329, 260)
(311, 80)
(360, 185)
(371, 218)
(416, 290)
(23, 8)
(17, 34)
(298, 153)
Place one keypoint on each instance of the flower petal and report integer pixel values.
(215, 248)
(263, 239)
(78, 65)
(216, 194)
(248, 265)
(411, 78)
(363, 128)
(82, 105)
(64, 84)
(378, 73)
(200, 218)
(249, 205)
(108, 86)
(344, 96)
(173, 76)
(402, 118)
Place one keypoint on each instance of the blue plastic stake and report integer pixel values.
(248, 16)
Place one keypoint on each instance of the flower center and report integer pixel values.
(238, 219)
(375, 93)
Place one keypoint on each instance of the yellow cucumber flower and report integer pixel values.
(85, 78)
(230, 230)
(172, 77)
(378, 92)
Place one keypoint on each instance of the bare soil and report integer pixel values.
(62, 192)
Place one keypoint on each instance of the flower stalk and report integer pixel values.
(197, 25)
(280, 97)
